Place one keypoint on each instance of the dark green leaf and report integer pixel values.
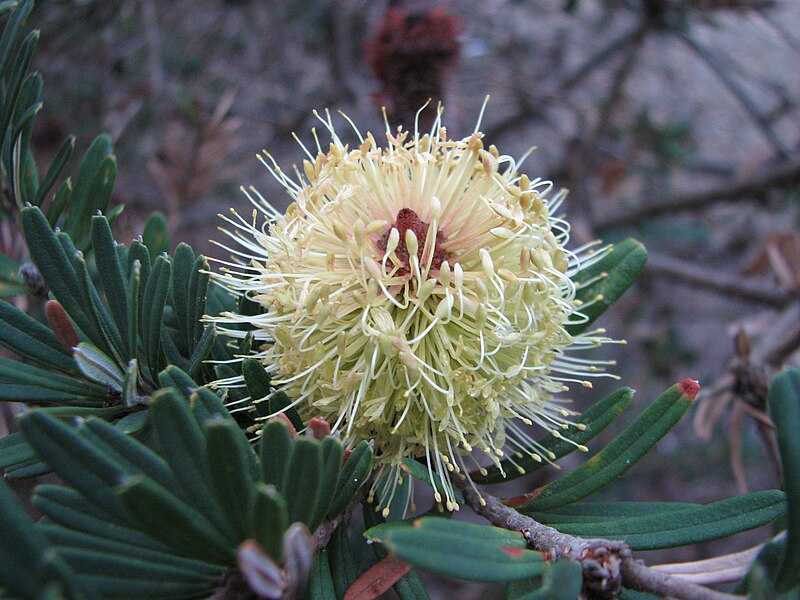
(332, 453)
(562, 580)
(596, 418)
(156, 235)
(54, 170)
(55, 265)
(27, 565)
(202, 350)
(675, 526)
(198, 291)
(183, 447)
(352, 476)
(784, 406)
(601, 284)
(302, 484)
(182, 266)
(270, 519)
(274, 450)
(59, 203)
(320, 587)
(111, 276)
(230, 474)
(620, 455)
(116, 550)
(169, 520)
(153, 301)
(67, 507)
(27, 337)
(15, 450)
(342, 562)
(92, 186)
(11, 32)
(77, 462)
(459, 549)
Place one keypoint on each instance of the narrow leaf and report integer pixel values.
(620, 455)
(601, 284)
(353, 475)
(461, 550)
(784, 406)
(596, 418)
(679, 526)
(167, 519)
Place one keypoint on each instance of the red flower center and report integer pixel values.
(407, 220)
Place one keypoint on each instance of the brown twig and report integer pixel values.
(730, 285)
(322, 534)
(787, 173)
(605, 563)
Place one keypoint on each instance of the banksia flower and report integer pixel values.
(418, 295)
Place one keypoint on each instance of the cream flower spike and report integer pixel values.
(416, 294)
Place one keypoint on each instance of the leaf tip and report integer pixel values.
(689, 388)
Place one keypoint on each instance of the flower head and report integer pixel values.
(418, 295)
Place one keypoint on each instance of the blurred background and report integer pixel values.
(673, 121)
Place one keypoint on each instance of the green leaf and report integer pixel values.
(77, 461)
(59, 203)
(142, 460)
(117, 553)
(27, 564)
(562, 580)
(156, 235)
(461, 550)
(197, 294)
(12, 90)
(302, 483)
(110, 275)
(352, 476)
(27, 337)
(98, 367)
(202, 350)
(275, 448)
(54, 170)
(172, 376)
(14, 371)
(784, 406)
(596, 418)
(108, 337)
(182, 266)
(155, 297)
(270, 519)
(93, 186)
(11, 32)
(419, 471)
(601, 284)
(621, 454)
(320, 587)
(183, 447)
(230, 474)
(69, 508)
(134, 304)
(342, 562)
(279, 402)
(15, 450)
(256, 378)
(332, 453)
(169, 520)
(667, 527)
(58, 271)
